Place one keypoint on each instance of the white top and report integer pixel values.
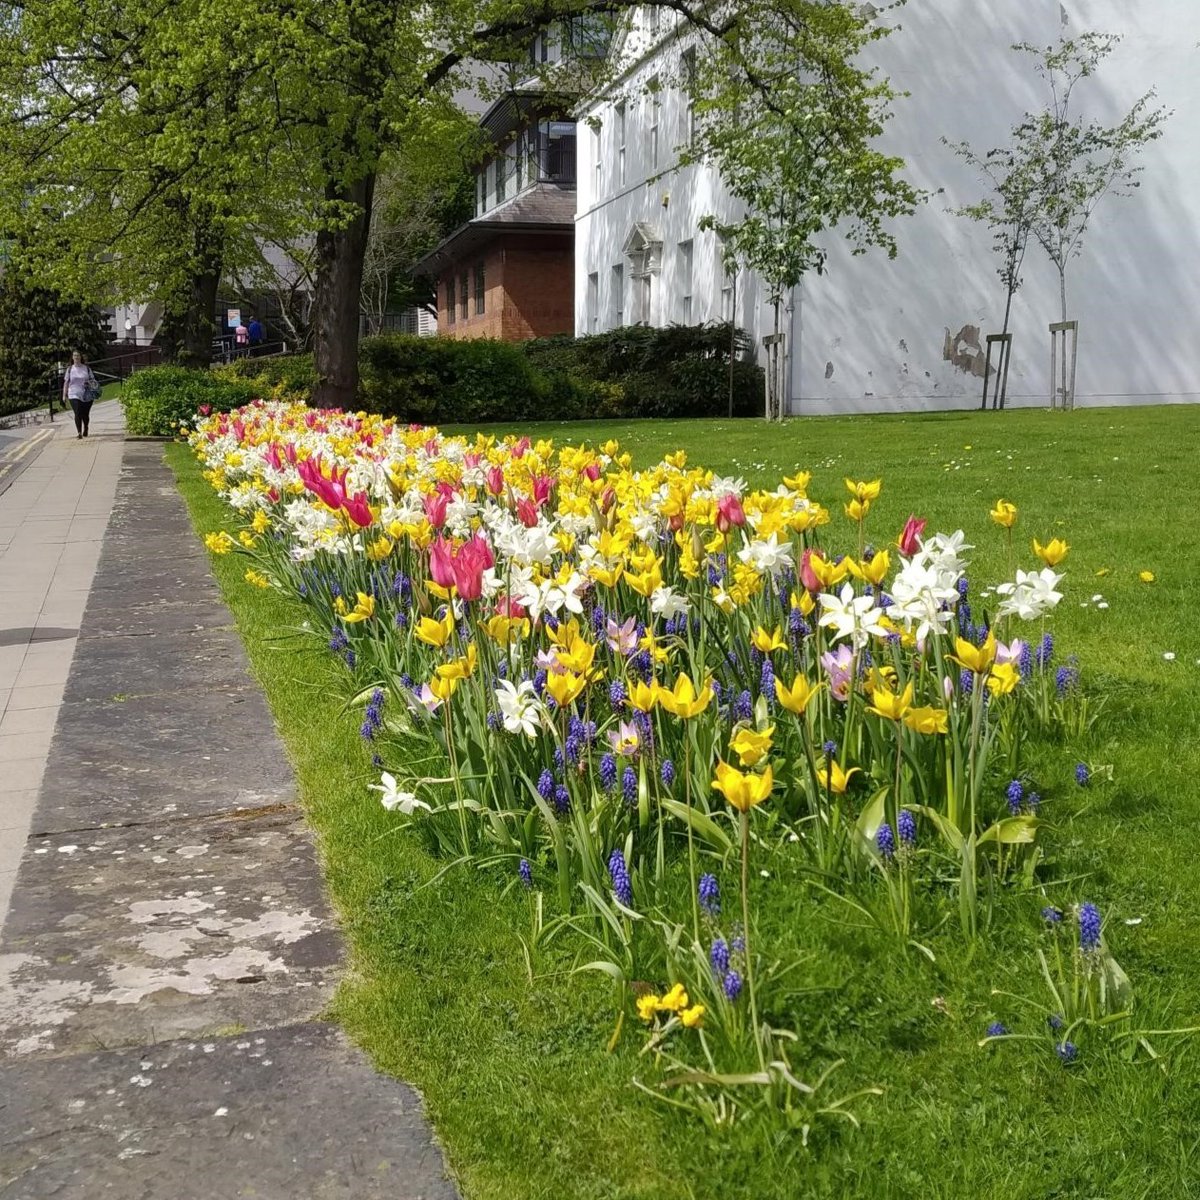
(76, 380)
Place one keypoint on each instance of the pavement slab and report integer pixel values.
(275, 1114)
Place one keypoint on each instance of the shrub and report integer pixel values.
(680, 371)
(287, 377)
(160, 399)
(439, 380)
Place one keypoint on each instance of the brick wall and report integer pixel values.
(529, 290)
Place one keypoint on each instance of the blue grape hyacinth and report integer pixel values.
(709, 894)
(621, 884)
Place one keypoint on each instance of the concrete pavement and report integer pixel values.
(56, 494)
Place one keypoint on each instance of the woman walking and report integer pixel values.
(80, 388)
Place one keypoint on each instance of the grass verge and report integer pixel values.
(514, 1071)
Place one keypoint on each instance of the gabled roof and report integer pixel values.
(543, 208)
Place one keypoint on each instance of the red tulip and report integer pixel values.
(910, 539)
(592, 471)
(358, 509)
(542, 486)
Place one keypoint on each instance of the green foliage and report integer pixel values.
(637, 371)
(682, 371)
(281, 376)
(38, 332)
(158, 400)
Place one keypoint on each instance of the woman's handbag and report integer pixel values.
(91, 390)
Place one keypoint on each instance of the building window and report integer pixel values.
(685, 282)
(652, 120)
(728, 284)
(480, 193)
(644, 299)
(620, 140)
(596, 163)
(618, 295)
(689, 83)
(501, 176)
(450, 305)
(480, 289)
(593, 303)
(653, 21)
(517, 150)
(464, 297)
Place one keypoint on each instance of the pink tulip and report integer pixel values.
(472, 459)
(358, 509)
(435, 509)
(441, 563)
(592, 471)
(910, 539)
(527, 512)
(807, 574)
(542, 486)
(495, 480)
(506, 606)
(730, 513)
(518, 451)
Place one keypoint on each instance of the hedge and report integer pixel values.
(279, 376)
(160, 399)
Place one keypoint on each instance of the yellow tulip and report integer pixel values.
(928, 720)
(460, 668)
(742, 790)
(883, 679)
(443, 687)
(578, 658)
(863, 491)
(644, 696)
(565, 686)
(683, 700)
(364, 609)
(873, 571)
(803, 601)
(797, 697)
(379, 549)
(890, 706)
(766, 642)
(1003, 679)
(751, 745)
(834, 778)
(829, 574)
(435, 633)
(606, 576)
(857, 510)
(798, 482)
(1004, 514)
(975, 658)
(1053, 552)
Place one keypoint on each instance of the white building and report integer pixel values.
(877, 335)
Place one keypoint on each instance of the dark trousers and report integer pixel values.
(83, 411)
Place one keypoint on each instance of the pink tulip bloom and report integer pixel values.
(358, 509)
(621, 639)
(1010, 653)
(808, 576)
(730, 513)
(435, 509)
(441, 564)
(592, 471)
(518, 451)
(838, 665)
(527, 513)
(495, 480)
(542, 485)
(910, 539)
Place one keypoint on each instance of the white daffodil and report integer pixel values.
(922, 596)
(519, 707)
(668, 603)
(395, 798)
(767, 557)
(1030, 595)
(855, 617)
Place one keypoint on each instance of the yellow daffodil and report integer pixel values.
(765, 642)
(261, 522)
(363, 610)
(797, 697)
(975, 658)
(675, 1000)
(1052, 553)
(644, 696)
(247, 539)
(751, 745)
(743, 790)
(888, 705)
(1004, 514)
(649, 644)
(683, 700)
(505, 630)
(606, 576)
(647, 1006)
(257, 578)
(1146, 576)
(379, 549)
(833, 777)
(578, 658)
(435, 633)
(863, 491)
(927, 720)
(1003, 679)
(219, 543)
(692, 1018)
(565, 686)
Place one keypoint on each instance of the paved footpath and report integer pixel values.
(168, 948)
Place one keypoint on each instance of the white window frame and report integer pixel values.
(620, 134)
(686, 275)
(653, 120)
(618, 295)
(593, 302)
(689, 112)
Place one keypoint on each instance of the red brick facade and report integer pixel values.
(529, 289)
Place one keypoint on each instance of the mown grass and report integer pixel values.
(515, 1074)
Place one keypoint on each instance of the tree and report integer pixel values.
(1069, 164)
(38, 331)
(788, 117)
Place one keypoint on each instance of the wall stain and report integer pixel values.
(964, 351)
(829, 370)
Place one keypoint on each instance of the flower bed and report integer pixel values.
(602, 681)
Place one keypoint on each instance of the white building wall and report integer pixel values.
(877, 335)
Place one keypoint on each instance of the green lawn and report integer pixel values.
(515, 1074)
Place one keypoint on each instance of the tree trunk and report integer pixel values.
(340, 256)
(188, 323)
